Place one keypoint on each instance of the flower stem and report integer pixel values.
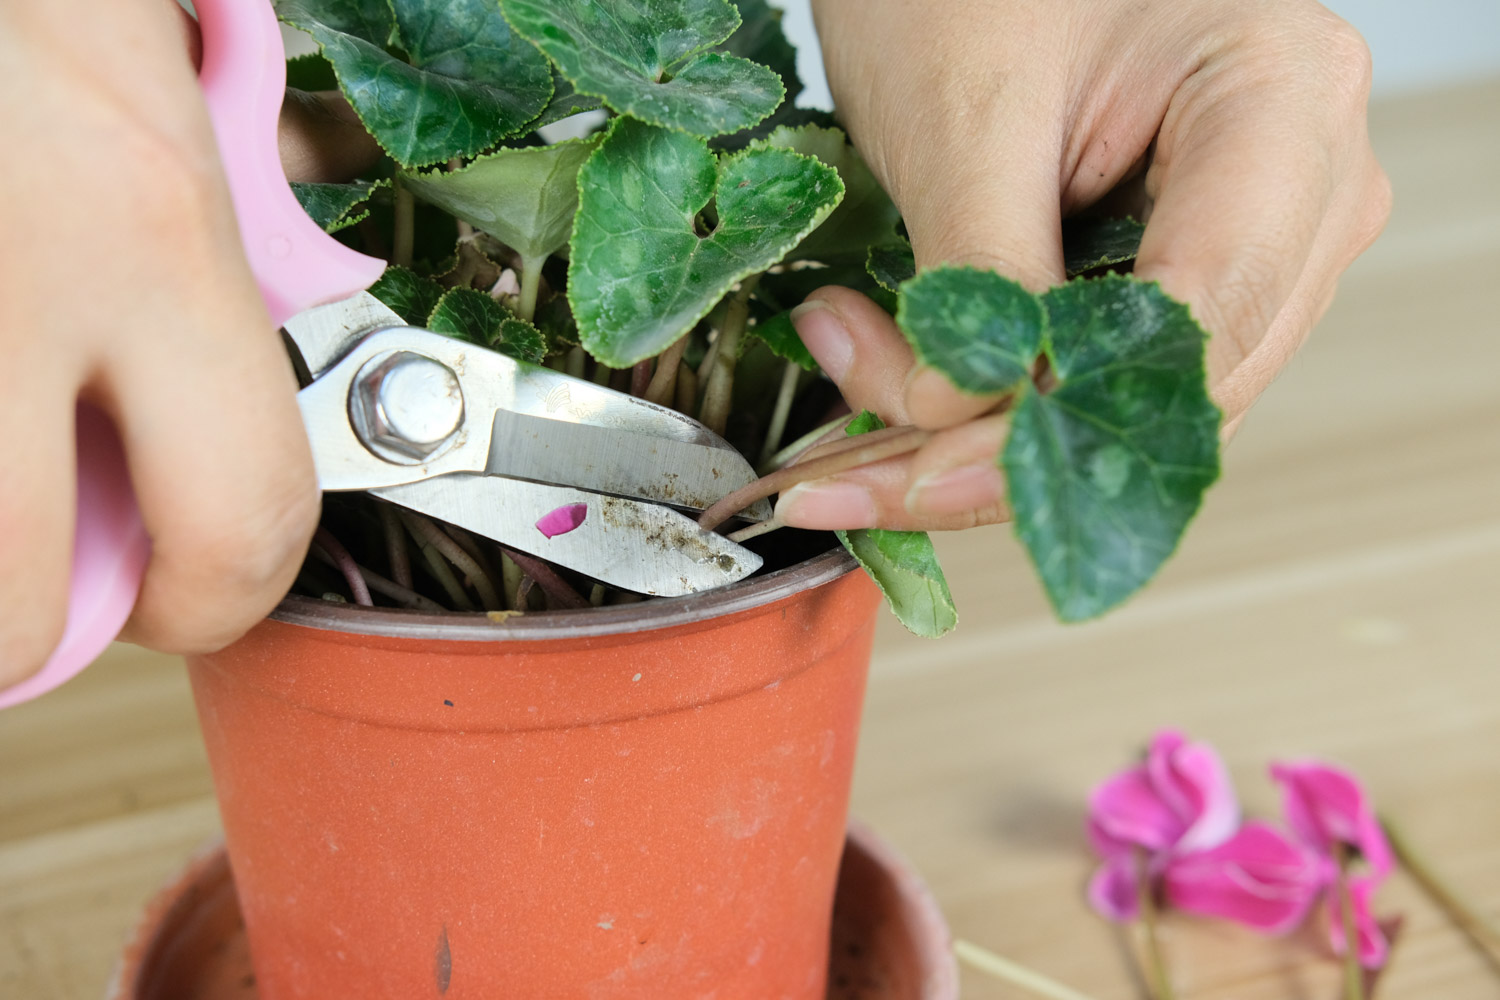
(1156, 967)
(785, 456)
(777, 429)
(664, 383)
(1354, 973)
(395, 545)
(531, 280)
(719, 389)
(346, 565)
(1480, 929)
(429, 534)
(403, 237)
(755, 531)
(1015, 974)
(556, 588)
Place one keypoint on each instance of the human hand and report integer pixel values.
(1236, 131)
(125, 284)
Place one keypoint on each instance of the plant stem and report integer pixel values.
(1156, 968)
(863, 450)
(403, 236)
(786, 455)
(444, 575)
(755, 531)
(790, 376)
(687, 388)
(555, 587)
(510, 578)
(531, 281)
(602, 373)
(429, 534)
(346, 565)
(395, 545)
(719, 391)
(664, 382)
(1016, 975)
(596, 595)
(640, 378)
(1480, 929)
(1354, 973)
(576, 361)
(404, 596)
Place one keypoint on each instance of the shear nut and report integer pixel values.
(406, 406)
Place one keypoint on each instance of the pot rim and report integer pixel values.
(584, 623)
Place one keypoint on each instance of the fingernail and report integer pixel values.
(968, 487)
(826, 336)
(826, 504)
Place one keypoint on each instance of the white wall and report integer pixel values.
(1417, 44)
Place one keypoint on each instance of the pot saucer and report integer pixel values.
(888, 942)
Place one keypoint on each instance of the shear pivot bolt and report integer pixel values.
(406, 406)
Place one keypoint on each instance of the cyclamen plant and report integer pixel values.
(661, 251)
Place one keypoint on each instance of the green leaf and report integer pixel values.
(1105, 471)
(640, 275)
(903, 565)
(653, 60)
(409, 295)
(524, 197)
(761, 39)
(332, 205)
(566, 102)
(467, 314)
(781, 337)
(981, 330)
(467, 82)
(891, 265)
(1094, 243)
(865, 217)
(310, 72)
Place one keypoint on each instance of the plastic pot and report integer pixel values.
(627, 803)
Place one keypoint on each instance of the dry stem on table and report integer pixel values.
(1156, 966)
(1013, 973)
(1481, 930)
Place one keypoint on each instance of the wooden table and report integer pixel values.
(1339, 597)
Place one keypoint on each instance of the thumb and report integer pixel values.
(992, 202)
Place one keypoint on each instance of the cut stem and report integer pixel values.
(718, 392)
(640, 378)
(510, 579)
(755, 531)
(1480, 929)
(862, 450)
(1354, 973)
(346, 565)
(790, 376)
(429, 534)
(1156, 968)
(664, 383)
(687, 388)
(403, 235)
(1016, 975)
(786, 455)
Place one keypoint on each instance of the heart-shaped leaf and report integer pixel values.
(903, 565)
(864, 218)
(467, 80)
(640, 274)
(1105, 471)
(653, 60)
(408, 294)
(980, 329)
(760, 39)
(525, 197)
(332, 206)
(467, 314)
(1094, 243)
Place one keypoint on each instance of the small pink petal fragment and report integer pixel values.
(1112, 891)
(563, 520)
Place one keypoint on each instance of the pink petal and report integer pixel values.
(1198, 779)
(1259, 877)
(1127, 809)
(563, 520)
(1113, 892)
(1373, 946)
(1326, 805)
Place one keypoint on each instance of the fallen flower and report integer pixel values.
(1178, 801)
(1260, 877)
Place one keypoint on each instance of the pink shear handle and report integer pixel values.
(295, 263)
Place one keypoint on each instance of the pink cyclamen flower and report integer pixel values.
(1327, 808)
(1260, 877)
(1178, 801)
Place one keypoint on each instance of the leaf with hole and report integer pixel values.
(1105, 471)
(652, 60)
(466, 81)
(640, 273)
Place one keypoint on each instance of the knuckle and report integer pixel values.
(1375, 207)
(257, 547)
(1243, 300)
(1347, 56)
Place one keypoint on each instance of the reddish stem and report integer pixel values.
(346, 565)
(640, 378)
(557, 589)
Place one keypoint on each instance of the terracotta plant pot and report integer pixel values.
(644, 802)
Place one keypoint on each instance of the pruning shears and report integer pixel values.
(548, 464)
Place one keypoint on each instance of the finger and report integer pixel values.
(950, 483)
(857, 344)
(37, 502)
(1244, 177)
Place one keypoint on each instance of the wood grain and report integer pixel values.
(1339, 597)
